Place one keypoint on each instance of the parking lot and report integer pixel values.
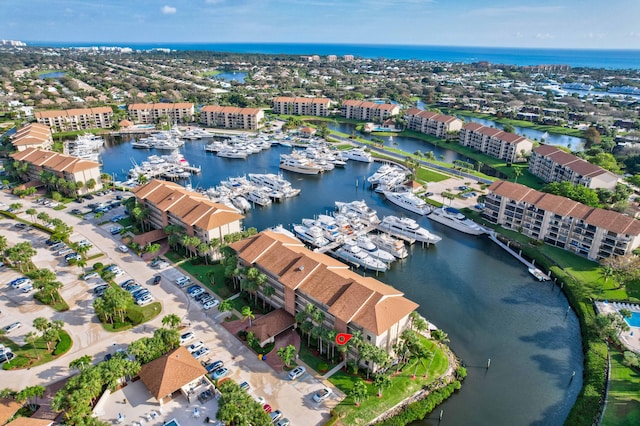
(294, 399)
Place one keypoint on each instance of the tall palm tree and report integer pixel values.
(247, 314)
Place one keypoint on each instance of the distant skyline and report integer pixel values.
(586, 24)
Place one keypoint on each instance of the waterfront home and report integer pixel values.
(228, 117)
(494, 142)
(172, 204)
(32, 135)
(349, 301)
(76, 119)
(368, 111)
(587, 231)
(432, 123)
(152, 113)
(552, 164)
(318, 107)
(67, 167)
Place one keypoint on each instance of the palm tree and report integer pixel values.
(247, 314)
(267, 292)
(381, 381)
(517, 172)
(287, 354)
(3, 244)
(81, 363)
(30, 395)
(225, 306)
(358, 392)
(31, 212)
(31, 338)
(152, 248)
(171, 321)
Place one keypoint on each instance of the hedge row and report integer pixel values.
(64, 344)
(418, 410)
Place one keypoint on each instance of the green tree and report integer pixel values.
(31, 212)
(81, 363)
(171, 321)
(247, 314)
(32, 338)
(358, 392)
(381, 382)
(30, 395)
(287, 354)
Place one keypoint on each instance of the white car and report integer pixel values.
(210, 304)
(144, 300)
(123, 248)
(297, 372)
(322, 394)
(90, 276)
(186, 337)
(195, 346)
(28, 288)
(12, 326)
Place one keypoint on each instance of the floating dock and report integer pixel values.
(533, 270)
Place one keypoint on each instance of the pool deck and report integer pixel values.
(631, 338)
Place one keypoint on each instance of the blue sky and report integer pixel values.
(539, 23)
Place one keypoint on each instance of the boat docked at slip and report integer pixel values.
(85, 146)
(454, 219)
(241, 203)
(140, 144)
(383, 170)
(358, 154)
(259, 197)
(371, 249)
(231, 152)
(197, 133)
(407, 228)
(298, 164)
(330, 229)
(390, 244)
(353, 254)
(538, 274)
(312, 235)
(361, 210)
(408, 201)
(274, 182)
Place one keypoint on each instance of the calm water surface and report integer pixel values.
(487, 302)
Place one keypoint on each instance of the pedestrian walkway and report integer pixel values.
(334, 370)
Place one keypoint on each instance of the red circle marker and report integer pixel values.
(343, 338)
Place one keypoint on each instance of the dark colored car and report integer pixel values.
(205, 396)
(157, 279)
(89, 197)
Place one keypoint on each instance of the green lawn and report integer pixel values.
(429, 175)
(212, 276)
(27, 356)
(623, 402)
(402, 385)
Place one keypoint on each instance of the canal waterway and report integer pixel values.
(486, 301)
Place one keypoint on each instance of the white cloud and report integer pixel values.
(516, 10)
(169, 10)
(544, 36)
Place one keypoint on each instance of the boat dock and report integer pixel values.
(533, 270)
(335, 244)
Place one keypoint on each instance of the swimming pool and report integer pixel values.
(172, 422)
(634, 321)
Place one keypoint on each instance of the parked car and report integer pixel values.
(193, 289)
(90, 276)
(27, 288)
(20, 225)
(275, 415)
(12, 326)
(123, 248)
(115, 230)
(245, 386)
(214, 366)
(189, 335)
(195, 346)
(283, 422)
(202, 296)
(219, 373)
(322, 394)
(200, 352)
(183, 281)
(297, 372)
(76, 211)
(20, 282)
(205, 396)
(210, 304)
(7, 356)
(156, 280)
(99, 290)
(145, 300)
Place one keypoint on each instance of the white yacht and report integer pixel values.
(241, 203)
(85, 146)
(454, 219)
(360, 208)
(407, 227)
(343, 226)
(383, 170)
(140, 144)
(215, 146)
(408, 201)
(299, 164)
(371, 249)
(282, 230)
(196, 133)
(312, 235)
(233, 153)
(358, 154)
(388, 243)
(329, 229)
(353, 254)
(257, 196)
(276, 182)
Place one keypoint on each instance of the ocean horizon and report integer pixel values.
(589, 58)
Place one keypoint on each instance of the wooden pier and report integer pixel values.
(533, 270)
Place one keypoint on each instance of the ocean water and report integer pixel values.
(592, 58)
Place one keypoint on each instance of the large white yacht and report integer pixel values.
(358, 154)
(297, 164)
(361, 210)
(388, 243)
(259, 197)
(276, 182)
(354, 254)
(85, 146)
(383, 170)
(312, 235)
(371, 249)
(407, 227)
(408, 201)
(454, 219)
(330, 229)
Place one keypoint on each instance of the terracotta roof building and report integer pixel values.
(590, 232)
(152, 113)
(8, 407)
(33, 135)
(171, 204)
(318, 107)
(368, 111)
(349, 301)
(76, 119)
(229, 117)
(64, 166)
(432, 123)
(555, 165)
(176, 371)
(494, 142)
(30, 421)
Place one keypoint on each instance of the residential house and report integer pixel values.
(32, 135)
(154, 113)
(368, 111)
(67, 167)
(494, 142)
(349, 301)
(76, 119)
(552, 164)
(171, 204)
(432, 123)
(317, 107)
(587, 231)
(229, 117)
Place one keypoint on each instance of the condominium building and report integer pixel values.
(587, 231)
(552, 164)
(349, 301)
(171, 204)
(317, 107)
(229, 117)
(69, 168)
(32, 135)
(76, 119)
(432, 123)
(494, 142)
(368, 111)
(153, 113)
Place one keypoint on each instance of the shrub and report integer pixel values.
(98, 266)
(135, 316)
(461, 373)
(64, 344)
(19, 361)
(419, 410)
(323, 367)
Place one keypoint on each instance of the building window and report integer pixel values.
(368, 338)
